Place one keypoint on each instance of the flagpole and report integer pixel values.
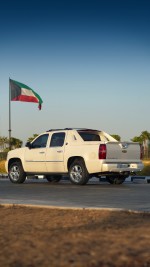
(9, 116)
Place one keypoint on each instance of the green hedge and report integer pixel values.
(145, 171)
(3, 155)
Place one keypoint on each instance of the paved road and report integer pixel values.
(134, 196)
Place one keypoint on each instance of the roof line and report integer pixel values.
(84, 129)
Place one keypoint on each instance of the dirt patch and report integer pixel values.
(58, 237)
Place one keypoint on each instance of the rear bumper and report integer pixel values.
(122, 167)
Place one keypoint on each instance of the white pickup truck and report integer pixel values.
(78, 153)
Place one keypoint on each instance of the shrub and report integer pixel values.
(2, 166)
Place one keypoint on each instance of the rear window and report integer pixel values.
(87, 136)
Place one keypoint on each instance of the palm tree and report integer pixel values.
(137, 139)
(15, 143)
(145, 136)
(3, 142)
(30, 139)
(116, 136)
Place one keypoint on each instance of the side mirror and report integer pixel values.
(29, 145)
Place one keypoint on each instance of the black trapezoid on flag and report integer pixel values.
(15, 90)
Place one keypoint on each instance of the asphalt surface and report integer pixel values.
(129, 195)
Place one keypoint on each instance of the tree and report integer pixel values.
(15, 143)
(142, 139)
(116, 136)
(137, 139)
(145, 135)
(3, 142)
(30, 139)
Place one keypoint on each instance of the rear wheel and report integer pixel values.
(53, 178)
(16, 173)
(115, 179)
(78, 173)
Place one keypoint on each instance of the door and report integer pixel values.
(35, 155)
(55, 153)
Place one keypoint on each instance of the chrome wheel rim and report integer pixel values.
(76, 173)
(14, 173)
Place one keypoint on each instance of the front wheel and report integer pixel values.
(78, 173)
(115, 179)
(53, 178)
(16, 173)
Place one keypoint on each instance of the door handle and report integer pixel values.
(59, 151)
(42, 152)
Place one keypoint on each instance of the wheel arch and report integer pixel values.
(71, 159)
(12, 160)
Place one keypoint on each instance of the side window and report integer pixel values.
(57, 139)
(86, 136)
(41, 141)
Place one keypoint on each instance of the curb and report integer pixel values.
(143, 179)
(137, 177)
(6, 205)
(102, 179)
(3, 175)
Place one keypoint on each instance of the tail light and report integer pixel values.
(141, 152)
(102, 151)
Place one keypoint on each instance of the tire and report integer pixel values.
(53, 178)
(16, 173)
(78, 173)
(115, 179)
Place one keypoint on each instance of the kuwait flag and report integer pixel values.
(22, 92)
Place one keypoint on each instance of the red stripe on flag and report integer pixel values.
(25, 98)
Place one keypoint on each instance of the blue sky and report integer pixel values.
(88, 60)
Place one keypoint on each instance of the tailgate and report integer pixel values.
(123, 151)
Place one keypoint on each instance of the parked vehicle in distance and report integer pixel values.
(78, 153)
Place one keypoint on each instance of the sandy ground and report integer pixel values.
(59, 237)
